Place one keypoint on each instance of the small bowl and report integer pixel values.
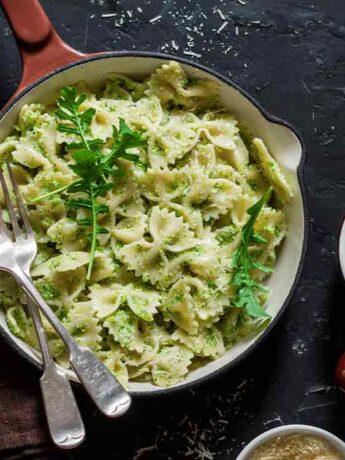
(337, 443)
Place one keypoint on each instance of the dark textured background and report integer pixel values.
(290, 55)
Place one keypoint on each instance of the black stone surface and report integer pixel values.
(290, 55)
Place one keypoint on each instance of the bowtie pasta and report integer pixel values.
(159, 302)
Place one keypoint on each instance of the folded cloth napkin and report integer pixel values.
(23, 426)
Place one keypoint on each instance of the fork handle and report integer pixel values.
(64, 420)
(107, 393)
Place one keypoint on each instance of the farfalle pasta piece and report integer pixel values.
(238, 156)
(53, 211)
(212, 193)
(45, 182)
(147, 114)
(148, 258)
(178, 306)
(123, 326)
(156, 336)
(239, 215)
(171, 365)
(130, 229)
(255, 183)
(270, 225)
(191, 303)
(83, 326)
(271, 170)
(203, 157)
(172, 141)
(131, 207)
(120, 86)
(207, 343)
(104, 266)
(105, 300)
(209, 299)
(39, 129)
(208, 257)
(65, 287)
(68, 235)
(112, 359)
(165, 185)
(8, 145)
(192, 216)
(170, 230)
(125, 190)
(222, 133)
(220, 199)
(29, 115)
(199, 190)
(27, 153)
(62, 263)
(174, 88)
(142, 301)
(102, 123)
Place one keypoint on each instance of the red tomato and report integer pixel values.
(340, 372)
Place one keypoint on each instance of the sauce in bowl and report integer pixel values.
(296, 446)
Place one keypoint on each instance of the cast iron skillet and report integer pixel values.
(49, 64)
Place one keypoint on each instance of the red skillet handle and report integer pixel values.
(41, 48)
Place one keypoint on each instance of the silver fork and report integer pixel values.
(64, 421)
(107, 393)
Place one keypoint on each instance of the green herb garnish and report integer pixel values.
(243, 263)
(93, 167)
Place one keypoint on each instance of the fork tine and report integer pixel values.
(21, 205)
(13, 216)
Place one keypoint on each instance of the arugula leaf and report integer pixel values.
(243, 262)
(85, 163)
(124, 139)
(69, 104)
(93, 167)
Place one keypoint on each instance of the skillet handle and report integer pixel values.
(41, 49)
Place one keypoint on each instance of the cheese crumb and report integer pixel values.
(191, 53)
(155, 19)
(222, 27)
(221, 15)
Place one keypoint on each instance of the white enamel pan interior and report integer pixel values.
(280, 139)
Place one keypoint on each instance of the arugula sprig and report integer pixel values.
(93, 167)
(243, 263)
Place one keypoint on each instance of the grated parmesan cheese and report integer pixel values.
(222, 27)
(221, 15)
(296, 447)
(155, 19)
